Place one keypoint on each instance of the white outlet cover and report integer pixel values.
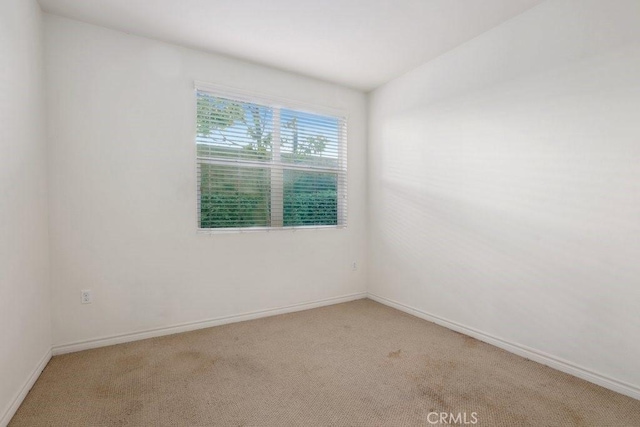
(86, 297)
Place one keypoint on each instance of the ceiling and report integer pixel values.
(357, 43)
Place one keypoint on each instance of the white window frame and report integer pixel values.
(278, 103)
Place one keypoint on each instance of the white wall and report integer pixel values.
(505, 185)
(123, 190)
(25, 321)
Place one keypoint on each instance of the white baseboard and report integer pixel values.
(191, 326)
(17, 400)
(527, 352)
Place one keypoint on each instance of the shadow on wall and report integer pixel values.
(513, 209)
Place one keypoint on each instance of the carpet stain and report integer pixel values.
(424, 391)
(128, 364)
(443, 367)
(192, 362)
(576, 418)
(395, 354)
(103, 391)
(132, 407)
(189, 355)
(470, 342)
(245, 366)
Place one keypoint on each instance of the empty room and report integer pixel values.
(319, 213)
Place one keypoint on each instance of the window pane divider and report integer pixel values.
(277, 174)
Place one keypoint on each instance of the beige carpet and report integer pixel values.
(353, 364)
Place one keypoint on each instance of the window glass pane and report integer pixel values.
(309, 139)
(310, 198)
(234, 196)
(233, 129)
(268, 166)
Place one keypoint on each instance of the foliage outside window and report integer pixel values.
(266, 166)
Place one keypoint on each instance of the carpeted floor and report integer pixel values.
(352, 364)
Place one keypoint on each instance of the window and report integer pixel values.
(263, 165)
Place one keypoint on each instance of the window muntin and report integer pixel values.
(265, 166)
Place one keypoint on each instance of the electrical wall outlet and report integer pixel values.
(87, 298)
(354, 266)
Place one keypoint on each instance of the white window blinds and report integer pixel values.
(262, 165)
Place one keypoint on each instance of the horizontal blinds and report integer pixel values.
(268, 166)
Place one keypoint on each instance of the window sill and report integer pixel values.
(268, 229)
